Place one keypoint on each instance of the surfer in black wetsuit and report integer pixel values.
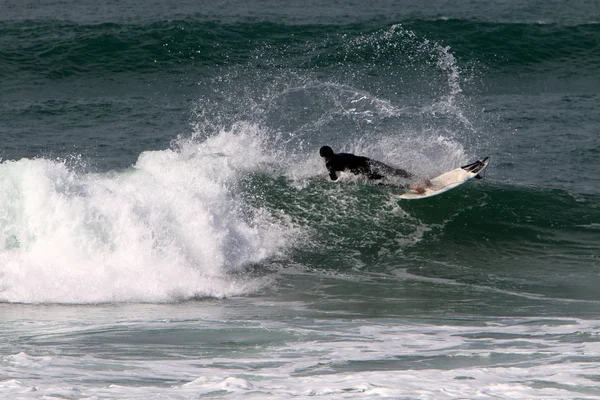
(372, 169)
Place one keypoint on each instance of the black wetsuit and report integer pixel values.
(372, 169)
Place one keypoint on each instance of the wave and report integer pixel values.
(168, 229)
(195, 220)
(248, 188)
(517, 45)
(473, 223)
(487, 235)
(58, 50)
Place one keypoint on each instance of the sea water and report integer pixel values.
(168, 229)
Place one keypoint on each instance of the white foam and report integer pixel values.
(534, 361)
(172, 227)
(23, 359)
(504, 358)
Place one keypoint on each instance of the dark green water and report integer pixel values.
(164, 211)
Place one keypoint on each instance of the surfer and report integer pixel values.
(372, 169)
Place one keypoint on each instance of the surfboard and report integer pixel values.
(449, 180)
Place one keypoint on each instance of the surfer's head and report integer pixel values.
(326, 151)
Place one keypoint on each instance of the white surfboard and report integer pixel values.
(449, 180)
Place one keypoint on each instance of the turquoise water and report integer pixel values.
(167, 228)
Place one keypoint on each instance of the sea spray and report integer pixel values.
(389, 93)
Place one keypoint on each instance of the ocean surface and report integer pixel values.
(168, 229)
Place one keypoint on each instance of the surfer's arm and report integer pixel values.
(332, 173)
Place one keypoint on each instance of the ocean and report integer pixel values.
(168, 229)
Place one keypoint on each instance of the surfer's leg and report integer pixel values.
(417, 189)
(379, 168)
(421, 185)
(403, 173)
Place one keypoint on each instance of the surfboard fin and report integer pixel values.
(476, 166)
